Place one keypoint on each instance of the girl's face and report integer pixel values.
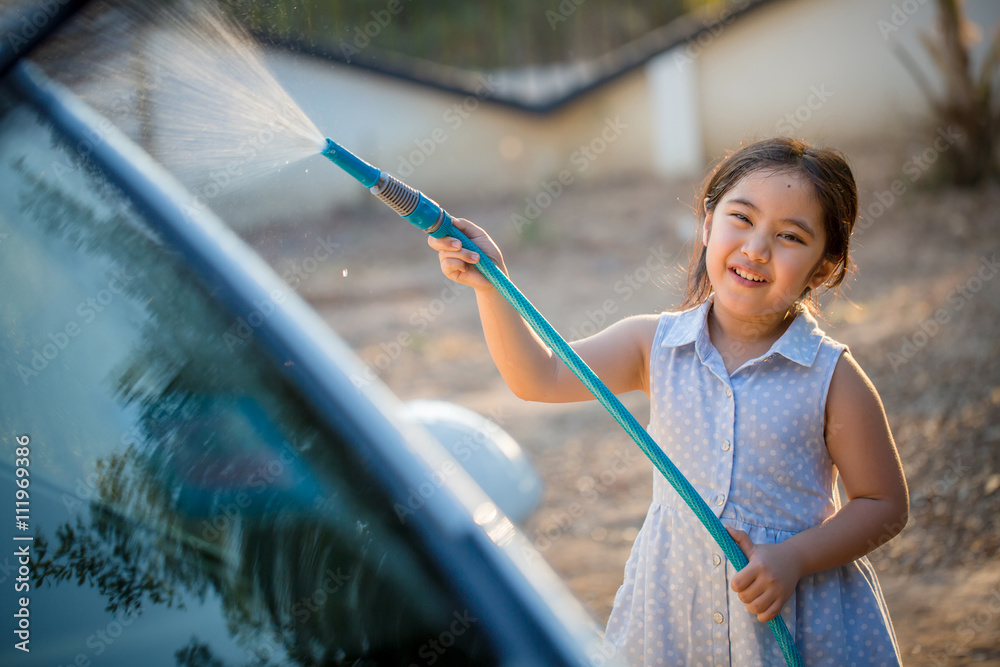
(765, 244)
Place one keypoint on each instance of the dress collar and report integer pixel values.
(800, 342)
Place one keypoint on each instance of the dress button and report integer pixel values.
(718, 618)
(717, 559)
(720, 499)
(729, 392)
(725, 445)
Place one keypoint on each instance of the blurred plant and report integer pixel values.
(971, 101)
(483, 34)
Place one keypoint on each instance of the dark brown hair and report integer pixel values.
(825, 168)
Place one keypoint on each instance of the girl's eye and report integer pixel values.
(741, 217)
(791, 237)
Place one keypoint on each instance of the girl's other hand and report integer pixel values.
(769, 579)
(458, 263)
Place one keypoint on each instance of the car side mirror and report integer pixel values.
(488, 453)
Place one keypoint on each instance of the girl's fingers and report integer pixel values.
(758, 596)
(460, 267)
(453, 267)
(759, 600)
(470, 228)
(444, 243)
(742, 540)
(750, 590)
(771, 612)
(449, 247)
(458, 261)
(466, 256)
(765, 608)
(745, 577)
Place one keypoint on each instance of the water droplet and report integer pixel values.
(345, 273)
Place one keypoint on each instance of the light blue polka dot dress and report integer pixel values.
(752, 445)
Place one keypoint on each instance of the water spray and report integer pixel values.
(426, 214)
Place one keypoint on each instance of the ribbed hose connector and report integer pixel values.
(400, 197)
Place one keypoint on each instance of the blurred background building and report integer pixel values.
(486, 100)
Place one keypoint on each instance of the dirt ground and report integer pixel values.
(921, 315)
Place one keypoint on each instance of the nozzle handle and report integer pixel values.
(412, 205)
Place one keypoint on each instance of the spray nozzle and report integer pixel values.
(414, 206)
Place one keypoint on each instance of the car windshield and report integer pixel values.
(184, 501)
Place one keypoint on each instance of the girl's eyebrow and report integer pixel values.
(804, 226)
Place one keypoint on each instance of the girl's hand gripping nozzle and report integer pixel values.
(414, 207)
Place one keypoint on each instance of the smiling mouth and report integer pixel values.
(746, 275)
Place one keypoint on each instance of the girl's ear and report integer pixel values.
(822, 273)
(706, 228)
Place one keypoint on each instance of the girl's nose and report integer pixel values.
(756, 248)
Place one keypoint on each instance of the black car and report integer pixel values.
(189, 475)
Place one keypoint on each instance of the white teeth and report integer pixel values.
(747, 276)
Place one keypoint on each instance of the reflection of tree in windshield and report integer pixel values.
(105, 552)
(214, 485)
(196, 654)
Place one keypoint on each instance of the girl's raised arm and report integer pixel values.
(619, 355)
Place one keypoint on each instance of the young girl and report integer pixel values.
(759, 409)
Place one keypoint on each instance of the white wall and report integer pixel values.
(822, 70)
(676, 129)
(453, 147)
